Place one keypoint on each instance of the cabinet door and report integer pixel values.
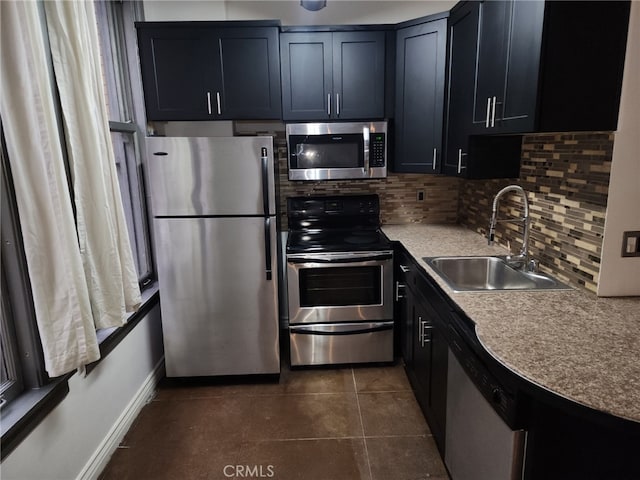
(358, 75)
(420, 73)
(463, 34)
(490, 62)
(438, 390)
(249, 73)
(517, 110)
(404, 307)
(177, 72)
(422, 362)
(307, 75)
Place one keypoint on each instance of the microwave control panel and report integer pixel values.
(377, 150)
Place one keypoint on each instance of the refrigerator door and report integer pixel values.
(211, 175)
(219, 310)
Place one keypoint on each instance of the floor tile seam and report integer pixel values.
(399, 435)
(406, 390)
(207, 397)
(366, 450)
(303, 439)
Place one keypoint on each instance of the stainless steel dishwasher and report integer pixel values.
(481, 441)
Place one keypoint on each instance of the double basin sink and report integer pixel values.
(486, 274)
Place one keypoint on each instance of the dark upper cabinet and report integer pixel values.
(192, 72)
(463, 34)
(520, 66)
(333, 75)
(420, 83)
(507, 64)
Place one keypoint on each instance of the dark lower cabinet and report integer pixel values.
(423, 344)
(203, 71)
(567, 443)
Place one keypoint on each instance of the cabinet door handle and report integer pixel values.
(328, 104)
(337, 104)
(218, 101)
(404, 268)
(493, 113)
(398, 287)
(420, 327)
(435, 158)
(209, 102)
(460, 155)
(486, 123)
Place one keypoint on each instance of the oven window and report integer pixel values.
(340, 286)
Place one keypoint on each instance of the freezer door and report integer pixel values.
(211, 175)
(219, 309)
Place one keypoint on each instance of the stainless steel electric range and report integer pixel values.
(339, 281)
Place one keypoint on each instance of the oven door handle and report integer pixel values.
(351, 329)
(340, 258)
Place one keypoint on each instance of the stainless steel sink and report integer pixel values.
(464, 274)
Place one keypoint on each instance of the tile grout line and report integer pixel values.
(364, 440)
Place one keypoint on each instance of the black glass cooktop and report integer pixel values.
(337, 241)
(335, 224)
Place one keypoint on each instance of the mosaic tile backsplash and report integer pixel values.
(397, 192)
(566, 176)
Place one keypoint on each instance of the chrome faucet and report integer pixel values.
(522, 259)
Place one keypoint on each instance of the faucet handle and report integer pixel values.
(533, 265)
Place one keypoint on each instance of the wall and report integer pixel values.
(289, 12)
(73, 440)
(566, 176)
(621, 275)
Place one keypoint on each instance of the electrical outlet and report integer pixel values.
(631, 244)
(420, 195)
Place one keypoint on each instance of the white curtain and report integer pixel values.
(60, 294)
(102, 230)
(83, 277)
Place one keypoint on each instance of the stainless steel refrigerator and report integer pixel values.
(213, 204)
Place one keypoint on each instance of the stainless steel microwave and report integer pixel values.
(336, 151)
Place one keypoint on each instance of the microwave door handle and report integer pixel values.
(365, 133)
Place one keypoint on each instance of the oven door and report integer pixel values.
(340, 287)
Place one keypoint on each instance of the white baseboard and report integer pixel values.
(103, 453)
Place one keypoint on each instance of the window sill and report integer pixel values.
(24, 413)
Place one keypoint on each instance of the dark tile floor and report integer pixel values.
(329, 424)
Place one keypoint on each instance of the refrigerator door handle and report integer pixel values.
(267, 247)
(265, 180)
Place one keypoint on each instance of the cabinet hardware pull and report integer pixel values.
(328, 104)
(218, 100)
(486, 123)
(404, 268)
(460, 155)
(209, 102)
(337, 104)
(398, 287)
(493, 113)
(435, 159)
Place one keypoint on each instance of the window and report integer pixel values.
(22, 374)
(124, 99)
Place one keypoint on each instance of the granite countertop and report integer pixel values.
(573, 343)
